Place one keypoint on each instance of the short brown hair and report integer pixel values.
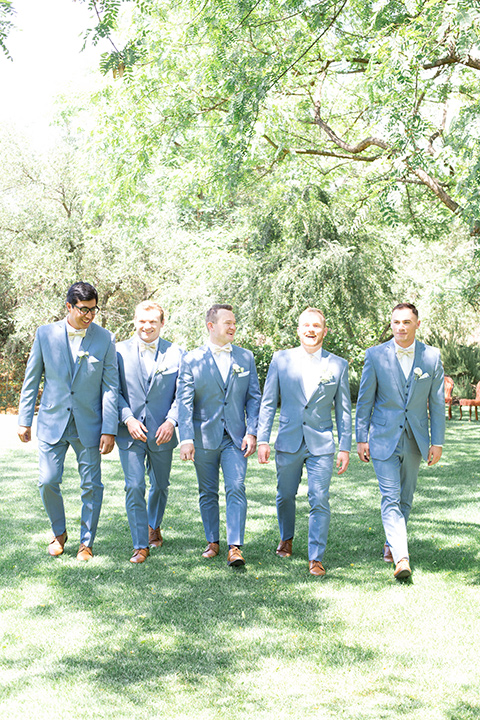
(211, 314)
(406, 306)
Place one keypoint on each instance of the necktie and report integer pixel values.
(75, 333)
(145, 347)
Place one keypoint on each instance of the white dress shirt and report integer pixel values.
(405, 356)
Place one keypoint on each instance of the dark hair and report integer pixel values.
(81, 291)
(406, 306)
(211, 315)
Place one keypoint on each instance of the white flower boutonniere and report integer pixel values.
(326, 378)
(82, 354)
(160, 370)
(237, 369)
(418, 372)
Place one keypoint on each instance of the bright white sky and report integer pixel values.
(47, 60)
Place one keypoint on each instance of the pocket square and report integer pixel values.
(244, 374)
(424, 376)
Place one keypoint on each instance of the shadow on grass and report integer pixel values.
(180, 622)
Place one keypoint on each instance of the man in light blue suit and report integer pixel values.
(309, 382)
(401, 390)
(218, 401)
(78, 407)
(148, 368)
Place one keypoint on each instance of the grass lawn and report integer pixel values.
(181, 637)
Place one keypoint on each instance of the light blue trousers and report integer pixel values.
(158, 464)
(319, 474)
(51, 464)
(234, 468)
(397, 480)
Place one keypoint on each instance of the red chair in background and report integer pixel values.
(471, 403)
(448, 395)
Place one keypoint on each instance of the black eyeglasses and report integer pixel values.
(84, 310)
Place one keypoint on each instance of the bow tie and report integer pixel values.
(146, 347)
(405, 352)
(225, 348)
(76, 333)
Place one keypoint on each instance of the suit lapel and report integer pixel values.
(159, 358)
(209, 359)
(324, 359)
(65, 345)
(417, 362)
(396, 367)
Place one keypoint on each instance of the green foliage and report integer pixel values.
(6, 25)
(461, 363)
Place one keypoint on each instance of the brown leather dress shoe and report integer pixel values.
(57, 544)
(155, 538)
(139, 555)
(387, 553)
(284, 548)
(211, 550)
(316, 568)
(84, 552)
(235, 557)
(402, 569)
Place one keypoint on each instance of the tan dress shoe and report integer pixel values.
(57, 544)
(139, 555)
(84, 552)
(402, 569)
(284, 548)
(235, 557)
(211, 550)
(316, 568)
(387, 553)
(155, 538)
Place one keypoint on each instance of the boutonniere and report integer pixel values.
(325, 378)
(419, 374)
(82, 354)
(237, 369)
(161, 369)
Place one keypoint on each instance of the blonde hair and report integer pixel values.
(150, 305)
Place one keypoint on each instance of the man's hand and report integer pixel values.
(164, 432)
(187, 451)
(263, 453)
(434, 454)
(249, 444)
(24, 433)
(136, 429)
(107, 443)
(363, 450)
(343, 458)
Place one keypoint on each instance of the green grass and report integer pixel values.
(180, 637)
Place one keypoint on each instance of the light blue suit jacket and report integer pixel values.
(303, 418)
(88, 388)
(207, 406)
(152, 400)
(387, 402)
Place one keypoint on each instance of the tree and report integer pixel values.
(379, 96)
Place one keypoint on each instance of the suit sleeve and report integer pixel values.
(124, 409)
(31, 384)
(185, 398)
(366, 399)
(268, 407)
(110, 391)
(252, 404)
(436, 405)
(343, 412)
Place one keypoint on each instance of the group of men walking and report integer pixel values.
(146, 390)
